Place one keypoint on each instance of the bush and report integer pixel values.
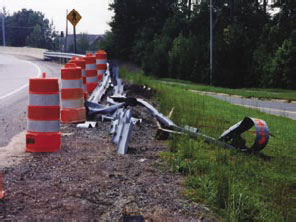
(282, 67)
(155, 59)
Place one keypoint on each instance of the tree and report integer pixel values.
(83, 44)
(35, 38)
(283, 69)
(28, 27)
(171, 39)
(131, 17)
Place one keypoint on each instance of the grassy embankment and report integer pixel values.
(289, 95)
(237, 186)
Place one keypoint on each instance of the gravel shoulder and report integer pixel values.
(87, 180)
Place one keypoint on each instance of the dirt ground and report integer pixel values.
(87, 180)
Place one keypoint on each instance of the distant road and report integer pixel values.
(272, 107)
(14, 74)
(15, 71)
(276, 108)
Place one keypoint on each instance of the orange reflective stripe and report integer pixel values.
(43, 112)
(102, 66)
(71, 93)
(90, 59)
(71, 73)
(43, 86)
(101, 56)
(90, 73)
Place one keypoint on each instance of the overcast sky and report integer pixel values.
(95, 13)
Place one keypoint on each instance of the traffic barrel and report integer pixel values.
(43, 125)
(72, 99)
(91, 72)
(80, 61)
(101, 61)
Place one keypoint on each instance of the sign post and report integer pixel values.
(74, 17)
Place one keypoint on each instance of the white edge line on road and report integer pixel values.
(24, 86)
(265, 108)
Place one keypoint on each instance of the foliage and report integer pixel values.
(29, 28)
(82, 44)
(283, 70)
(171, 39)
(237, 186)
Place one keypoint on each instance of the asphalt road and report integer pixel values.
(276, 108)
(15, 71)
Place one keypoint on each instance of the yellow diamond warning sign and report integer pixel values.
(74, 17)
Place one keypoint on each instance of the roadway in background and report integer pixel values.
(273, 107)
(15, 71)
(276, 108)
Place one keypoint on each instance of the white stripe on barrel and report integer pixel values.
(90, 66)
(101, 71)
(44, 99)
(40, 126)
(92, 79)
(72, 103)
(71, 84)
(101, 61)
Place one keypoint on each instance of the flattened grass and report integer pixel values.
(237, 186)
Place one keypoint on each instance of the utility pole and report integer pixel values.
(74, 32)
(3, 28)
(264, 5)
(211, 42)
(189, 11)
(66, 37)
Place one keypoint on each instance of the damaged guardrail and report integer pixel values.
(233, 134)
(102, 87)
(122, 122)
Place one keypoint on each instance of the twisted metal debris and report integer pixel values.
(122, 122)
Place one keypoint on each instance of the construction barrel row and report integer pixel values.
(79, 77)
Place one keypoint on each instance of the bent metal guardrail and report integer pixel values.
(59, 55)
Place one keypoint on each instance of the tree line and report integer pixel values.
(253, 44)
(29, 28)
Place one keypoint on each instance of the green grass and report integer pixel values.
(237, 186)
(289, 95)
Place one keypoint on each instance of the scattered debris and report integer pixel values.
(94, 108)
(102, 87)
(121, 129)
(142, 160)
(87, 124)
(167, 127)
(122, 121)
(67, 134)
(233, 134)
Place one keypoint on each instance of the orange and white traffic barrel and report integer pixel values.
(101, 61)
(43, 126)
(72, 98)
(79, 61)
(91, 72)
